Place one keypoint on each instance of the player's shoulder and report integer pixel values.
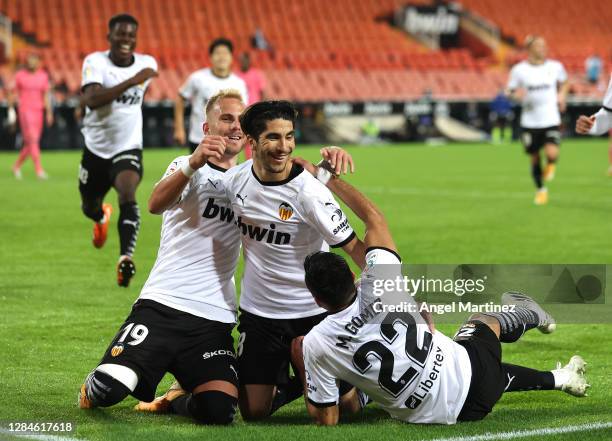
(238, 173)
(98, 57)
(314, 341)
(145, 59)
(310, 189)
(520, 66)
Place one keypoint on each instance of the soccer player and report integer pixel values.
(113, 87)
(541, 85)
(183, 319)
(200, 86)
(31, 86)
(412, 371)
(599, 123)
(283, 213)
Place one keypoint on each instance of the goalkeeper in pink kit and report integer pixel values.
(31, 87)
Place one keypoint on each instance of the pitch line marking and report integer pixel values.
(525, 433)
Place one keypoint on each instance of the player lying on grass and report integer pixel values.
(417, 375)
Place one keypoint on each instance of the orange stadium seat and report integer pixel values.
(341, 50)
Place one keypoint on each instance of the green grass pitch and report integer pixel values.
(60, 305)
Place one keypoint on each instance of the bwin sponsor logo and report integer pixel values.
(268, 235)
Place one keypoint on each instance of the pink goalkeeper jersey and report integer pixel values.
(255, 84)
(31, 88)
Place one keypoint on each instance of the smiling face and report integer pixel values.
(272, 150)
(221, 60)
(223, 120)
(122, 39)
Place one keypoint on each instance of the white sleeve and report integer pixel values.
(603, 118)
(607, 101)
(322, 386)
(175, 167)
(603, 122)
(514, 81)
(187, 90)
(244, 92)
(561, 73)
(323, 212)
(152, 63)
(92, 73)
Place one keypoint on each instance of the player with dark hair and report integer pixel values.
(183, 319)
(200, 86)
(412, 371)
(113, 86)
(542, 86)
(283, 213)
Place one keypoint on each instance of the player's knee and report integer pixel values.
(251, 412)
(213, 407)
(104, 390)
(91, 209)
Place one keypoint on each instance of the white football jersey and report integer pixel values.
(539, 107)
(280, 224)
(198, 250)
(603, 118)
(199, 87)
(117, 126)
(415, 376)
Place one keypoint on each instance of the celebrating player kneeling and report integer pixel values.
(182, 322)
(412, 371)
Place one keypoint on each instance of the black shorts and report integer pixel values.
(487, 384)
(264, 346)
(156, 339)
(534, 139)
(97, 175)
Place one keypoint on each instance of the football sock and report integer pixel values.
(514, 324)
(536, 172)
(519, 378)
(293, 390)
(128, 225)
(210, 407)
(103, 390)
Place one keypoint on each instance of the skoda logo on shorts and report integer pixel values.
(285, 211)
(117, 350)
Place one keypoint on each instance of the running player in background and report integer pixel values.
(33, 95)
(200, 86)
(541, 86)
(599, 123)
(113, 86)
(414, 372)
(183, 319)
(283, 213)
(255, 84)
